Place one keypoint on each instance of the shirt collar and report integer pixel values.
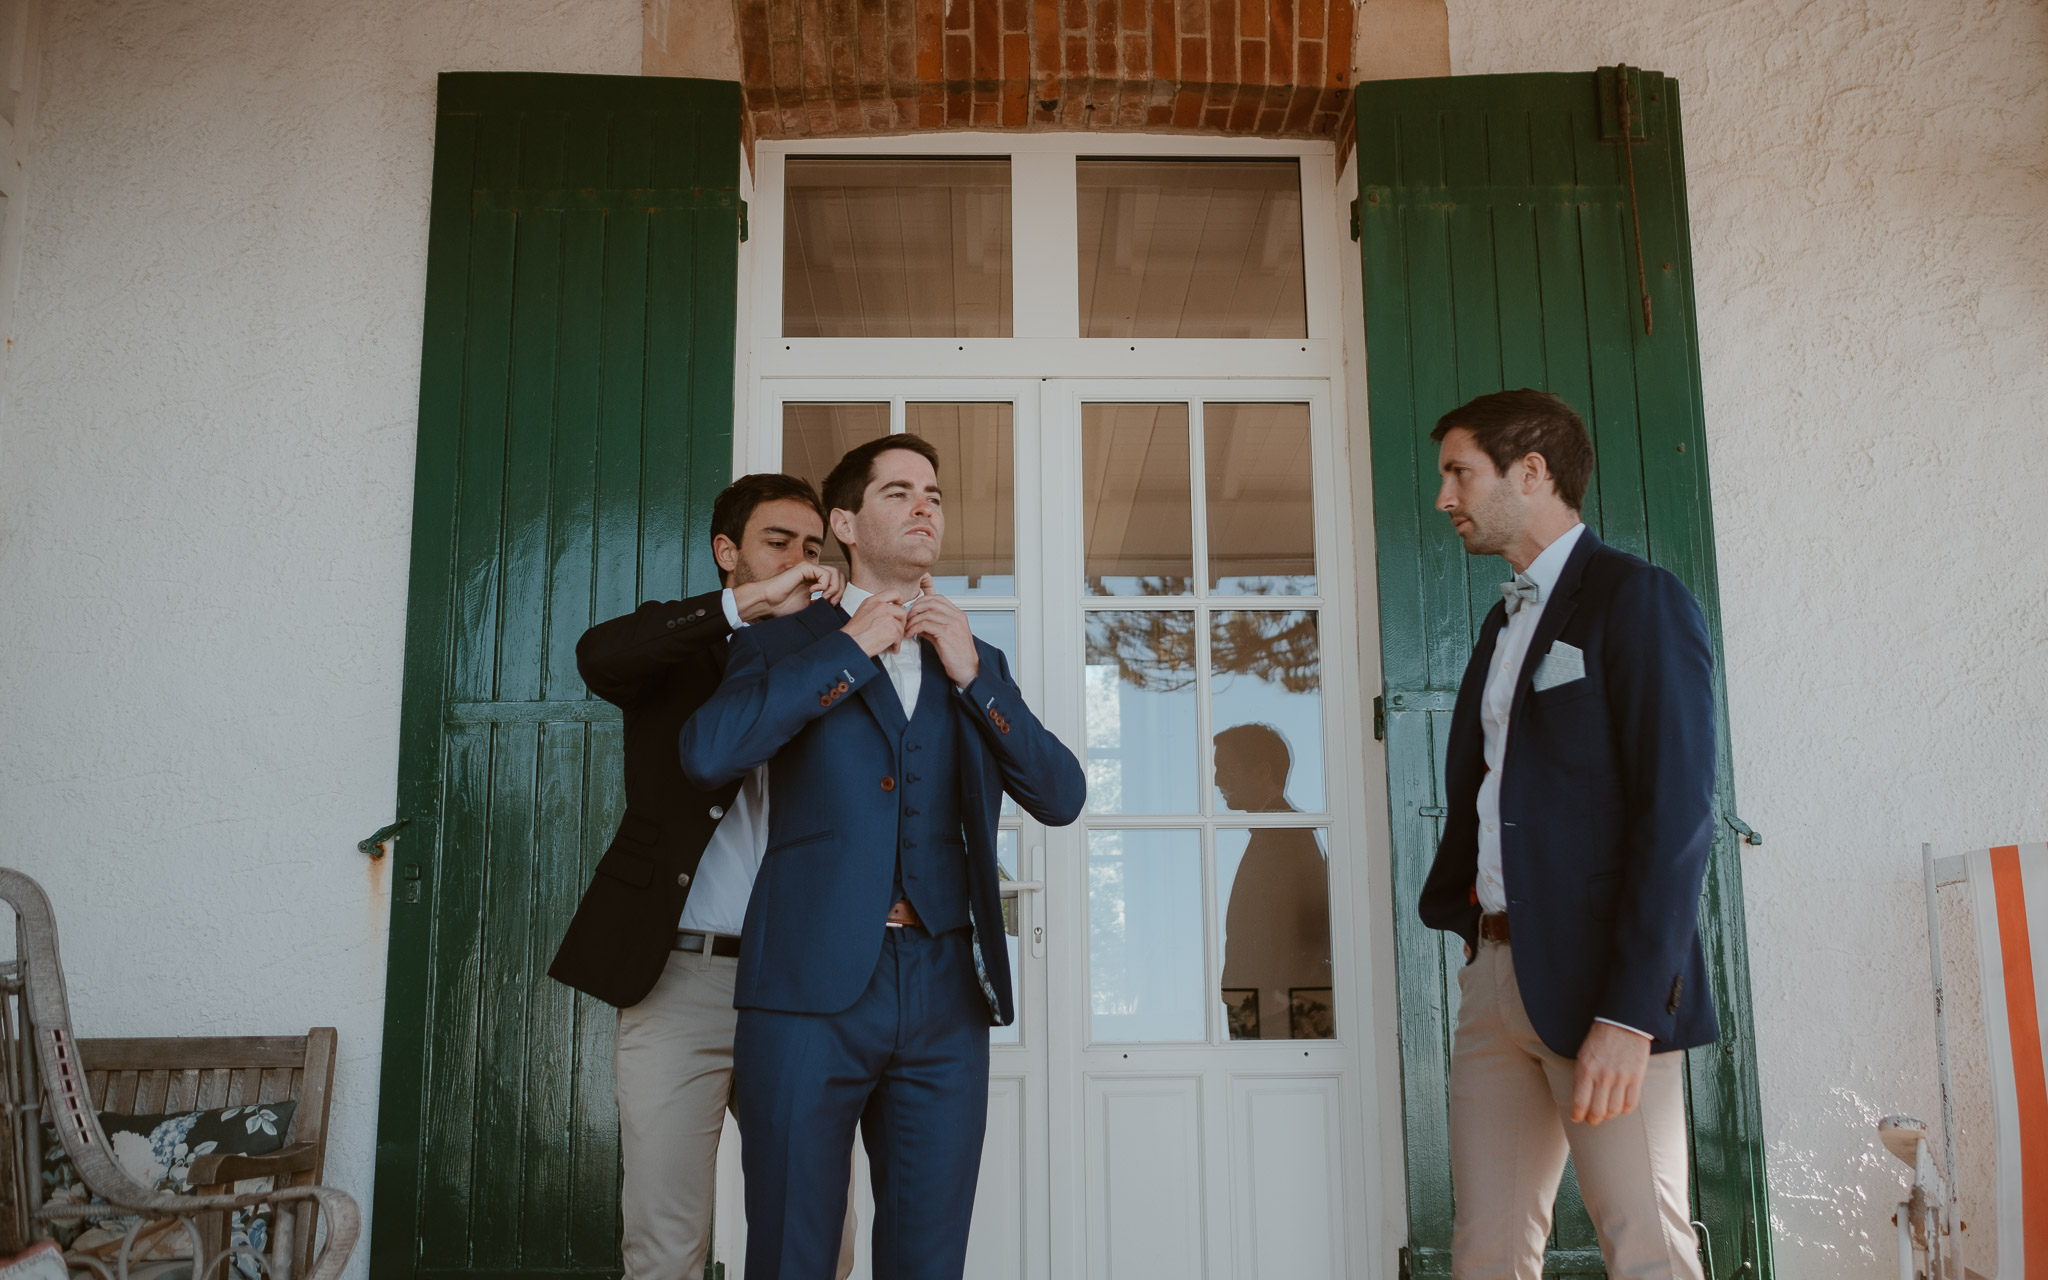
(850, 599)
(1545, 569)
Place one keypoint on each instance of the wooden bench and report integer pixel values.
(136, 1076)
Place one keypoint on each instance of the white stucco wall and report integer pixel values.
(205, 484)
(1869, 192)
(205, 492)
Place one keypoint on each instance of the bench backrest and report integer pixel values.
(143, 1076)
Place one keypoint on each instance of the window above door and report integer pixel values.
(931, 255)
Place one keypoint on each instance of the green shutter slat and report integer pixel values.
(575, 422)
(1498, 250)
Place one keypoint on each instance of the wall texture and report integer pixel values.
(205, 493)
(1869, 188)
(205, 489)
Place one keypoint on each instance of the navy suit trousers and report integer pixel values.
(909, 1062)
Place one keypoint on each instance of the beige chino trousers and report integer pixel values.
(1511, 1129)
(672, 1072)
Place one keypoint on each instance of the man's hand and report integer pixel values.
(939, 620)
(1609, 1079)
(788, 591)
(878, 624)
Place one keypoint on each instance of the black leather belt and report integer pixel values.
(1494, 927)
(722, 944)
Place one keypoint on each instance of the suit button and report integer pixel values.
(671, 624)
(824, 699)
(683, 879)
(717, 812)
(700, 613)
(840, 687)
(888, 784)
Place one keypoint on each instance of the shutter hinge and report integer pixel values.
(1749, 834)
(1379, 719)
(1407, 1264)
(743, 222)
(1354, 219)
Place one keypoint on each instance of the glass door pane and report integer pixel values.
(1145, 936)
(900, 247)
(1261, 499)
(1136, 499)
(977, 478)
(1273, 931)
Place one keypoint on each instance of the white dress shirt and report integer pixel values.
(904, 663)
(1510, 650)
(732, 857)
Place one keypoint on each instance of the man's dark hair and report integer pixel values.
(731, 509)
(1259, 742)
(848, 484)
(1511, 425)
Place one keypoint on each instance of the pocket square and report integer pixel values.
(1562, 665)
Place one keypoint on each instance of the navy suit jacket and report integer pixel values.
(797, 694)
(1606, 805)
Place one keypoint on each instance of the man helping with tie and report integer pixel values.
(873, 958)
(1571, 863)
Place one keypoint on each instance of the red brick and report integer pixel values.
(1165, 42)
(871, 58)
(1016, 15)
(1339, 43)
(1308, 63)
(1187, 108)
(1194, 64)
(1280, 43)
(1077, 57)
(1244, 112)
(1308, 18)
(988, 43)
(1077, 15)
(959, 60)
(1300, 107)
(1251, 19)
(960, 15)
(1251, 59)
(930, 40)
(1137, 58)
(1045, 53)
(1273, 109)
(984, 113)
(1105, 36)
(1222, 44)
(784, 21)
(1194, 17)
(1216, 116)
(1131, 16)
(1017, 84)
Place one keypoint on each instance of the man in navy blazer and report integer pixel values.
(1572, 858)
(873, 959)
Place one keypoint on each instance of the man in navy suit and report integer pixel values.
(1571, 863)
(873, 959)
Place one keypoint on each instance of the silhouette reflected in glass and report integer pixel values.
(1276, 929)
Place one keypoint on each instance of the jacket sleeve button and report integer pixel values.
(717, 812)
(700, 613)
(683, 879)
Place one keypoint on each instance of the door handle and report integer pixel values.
(1011, 888)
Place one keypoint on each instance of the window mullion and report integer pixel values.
(1045, 297)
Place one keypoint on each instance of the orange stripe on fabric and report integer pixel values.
(2030, 1074)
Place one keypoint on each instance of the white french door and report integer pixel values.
(1157, 532)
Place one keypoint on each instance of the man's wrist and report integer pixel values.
(729, 599)
(1625, 1027)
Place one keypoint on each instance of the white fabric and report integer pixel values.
(904, 663)
(732, 857)
(1499, 696)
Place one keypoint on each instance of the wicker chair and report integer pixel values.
(40, 1063)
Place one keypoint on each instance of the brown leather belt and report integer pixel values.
(1494, 927)
(903, 914)
(722, 944)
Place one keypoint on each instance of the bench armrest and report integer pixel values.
(219, 1170)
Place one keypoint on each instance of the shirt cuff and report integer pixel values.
(732, 609)
(1625, 1027)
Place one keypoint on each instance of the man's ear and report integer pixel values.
(841, 521)
(1535, 474)
(725, 552)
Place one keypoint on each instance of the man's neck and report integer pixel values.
(1534, 540)
(876, 583)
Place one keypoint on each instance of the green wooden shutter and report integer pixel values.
(575, 423)
(1499, 251)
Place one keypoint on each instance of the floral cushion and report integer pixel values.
(158, 1151)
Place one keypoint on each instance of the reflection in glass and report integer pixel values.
(1273, 892)
(896, 248)
(977, 475)
(1262, 538)
(816, 436)
(1145, 936)
(1266, 672)
(1006, 868)
(1140, 711)
(1135, 495)
(1191, 249)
